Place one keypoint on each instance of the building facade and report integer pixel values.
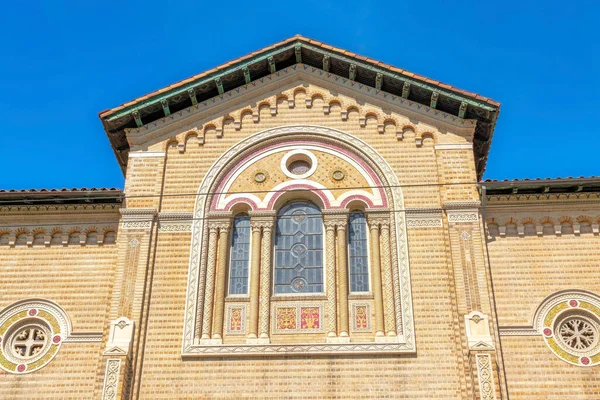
(302, 222)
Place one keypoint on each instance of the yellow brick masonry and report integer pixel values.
(450, 275)
(528, 268)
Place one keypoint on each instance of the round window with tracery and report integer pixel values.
(31, 334)
(578, 333)
(571, 328)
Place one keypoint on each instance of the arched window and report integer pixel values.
(358, 260)
(240, 255)
(299, 249)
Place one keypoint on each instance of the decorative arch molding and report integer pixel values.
(392, 191)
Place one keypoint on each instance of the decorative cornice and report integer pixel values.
(461, 205)
(518, 331)
(84, 338)
(140, 154)
(454, 146)
(281, 349)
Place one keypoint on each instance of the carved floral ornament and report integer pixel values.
(31, 334)
(385, 193)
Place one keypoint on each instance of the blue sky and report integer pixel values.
(63, 62)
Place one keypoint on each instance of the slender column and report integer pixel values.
(210, 282)
(220, 282)
(265, 282)
(342, 273)
(376, 269)
(254, 280)
(388, 285)
(330, 276)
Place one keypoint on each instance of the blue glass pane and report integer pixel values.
(299, 249)
(240, 255)
(358, 257)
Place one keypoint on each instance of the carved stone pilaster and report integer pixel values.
(388, 286)
(330, 275)
(265, 283)
(221, 283)
(120, 337)
(210, 281)
(376, 271)
(342, 271)
(254, 278)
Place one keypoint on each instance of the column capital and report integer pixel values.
(219, 220)
(377, 218)
(262, 219)
(336, 219)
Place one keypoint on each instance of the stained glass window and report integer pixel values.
(299, 249)
(240, 255)
(358, 253)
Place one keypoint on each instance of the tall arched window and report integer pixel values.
(358, 259)
(299, 249)
(240, 255)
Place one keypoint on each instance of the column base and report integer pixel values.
(258, 340)
(338, 339)
(386, 339)
(211, 342)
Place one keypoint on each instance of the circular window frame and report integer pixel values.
(35, 313)
(561, 311)
(297, 155)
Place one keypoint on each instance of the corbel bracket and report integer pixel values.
(406, 90)
(219, 85)
(378, 81)
(352, 72)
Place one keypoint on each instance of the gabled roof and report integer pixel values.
(299, 49)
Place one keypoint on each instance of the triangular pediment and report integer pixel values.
(301, 52)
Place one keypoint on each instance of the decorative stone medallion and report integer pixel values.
(338, 175)
(260, 177)
(572, 331)
(30, 336)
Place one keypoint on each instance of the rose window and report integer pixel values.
(578, 333)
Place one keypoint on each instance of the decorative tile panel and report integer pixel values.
(236, 319)
(361, 317)
(298, 317)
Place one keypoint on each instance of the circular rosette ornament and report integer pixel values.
(572, 331)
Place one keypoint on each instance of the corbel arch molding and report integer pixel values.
(219, 169)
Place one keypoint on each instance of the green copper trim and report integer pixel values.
(182, 89)
(272, 67)
(165, 107)
(246, 72)
(297, 46)
(192, 94)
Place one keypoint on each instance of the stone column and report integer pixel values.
(342, 273)
(376, 270)
(210, 281)
(221, 284)
(388, 283)
(330, 277)
(254, 279)
(265, 283)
